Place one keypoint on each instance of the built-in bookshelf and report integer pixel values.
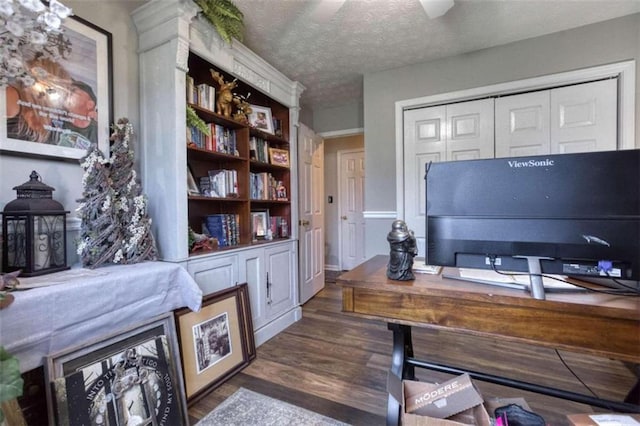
(237, 169)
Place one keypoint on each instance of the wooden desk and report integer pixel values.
(576, 322)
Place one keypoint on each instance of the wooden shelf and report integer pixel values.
(246, 171)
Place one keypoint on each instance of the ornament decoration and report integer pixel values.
(30, 30)
(115, 225)
(100, 231)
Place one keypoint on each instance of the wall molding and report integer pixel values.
(342, 133)
(379, 214)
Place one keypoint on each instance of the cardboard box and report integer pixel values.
(600, 419)
(455, 402)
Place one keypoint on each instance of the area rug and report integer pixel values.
(246, 407)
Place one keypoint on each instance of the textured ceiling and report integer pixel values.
(363, 36)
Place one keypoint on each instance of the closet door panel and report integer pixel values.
(425, 141)
(470, 130)
(523, 125)
(584, 117)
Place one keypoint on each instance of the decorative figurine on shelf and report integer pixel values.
(224, 100)
(201, 242)
(243, 108)
(403, 250)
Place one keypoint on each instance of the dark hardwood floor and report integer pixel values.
(336, 365)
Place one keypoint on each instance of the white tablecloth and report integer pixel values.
(68, 308)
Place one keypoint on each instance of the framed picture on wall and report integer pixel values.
(69, 106)
(215, 342)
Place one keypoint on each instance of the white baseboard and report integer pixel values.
(331, 267)
(278, 325)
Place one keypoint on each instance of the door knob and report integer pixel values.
(304, 222)
(344, 218)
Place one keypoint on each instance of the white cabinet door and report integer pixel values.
(253, 272)
(522, 125)
(584, 117)
(281, 290)
(214, 273)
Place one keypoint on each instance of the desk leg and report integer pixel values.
(402, 349)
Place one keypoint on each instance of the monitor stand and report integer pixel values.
(535, 275)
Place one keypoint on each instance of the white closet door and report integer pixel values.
(522, 125)
(584, 117)
(424, 142)
(470, 130)
(441, 133)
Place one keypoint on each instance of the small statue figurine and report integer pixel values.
(243, 108)
(224, 100)
(403, 250)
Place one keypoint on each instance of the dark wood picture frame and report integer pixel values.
(215, 342)
(83, 376)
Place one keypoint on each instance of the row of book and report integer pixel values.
(220, 183)
(264, 186)
(224, 227)
(202, 94)
(258, 149)
(220, 139)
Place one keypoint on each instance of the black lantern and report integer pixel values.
(34, 231)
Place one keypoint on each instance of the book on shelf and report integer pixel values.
(223, 183)
(205, 186)
(265, 186)
(277, 127)
(258, 149)
(224, 140)
(202, 95)
(224, 227)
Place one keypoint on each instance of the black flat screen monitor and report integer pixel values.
(580, 213)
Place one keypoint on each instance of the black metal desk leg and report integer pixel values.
(402, 349)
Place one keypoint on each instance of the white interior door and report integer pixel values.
(311, 215)
(351, 207)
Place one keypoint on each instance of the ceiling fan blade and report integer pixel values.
(436, 8)
(325, 9)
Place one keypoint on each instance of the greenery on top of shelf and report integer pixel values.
(225, 17)
(194, 121)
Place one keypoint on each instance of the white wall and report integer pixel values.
(597, 44)
(65, 176)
